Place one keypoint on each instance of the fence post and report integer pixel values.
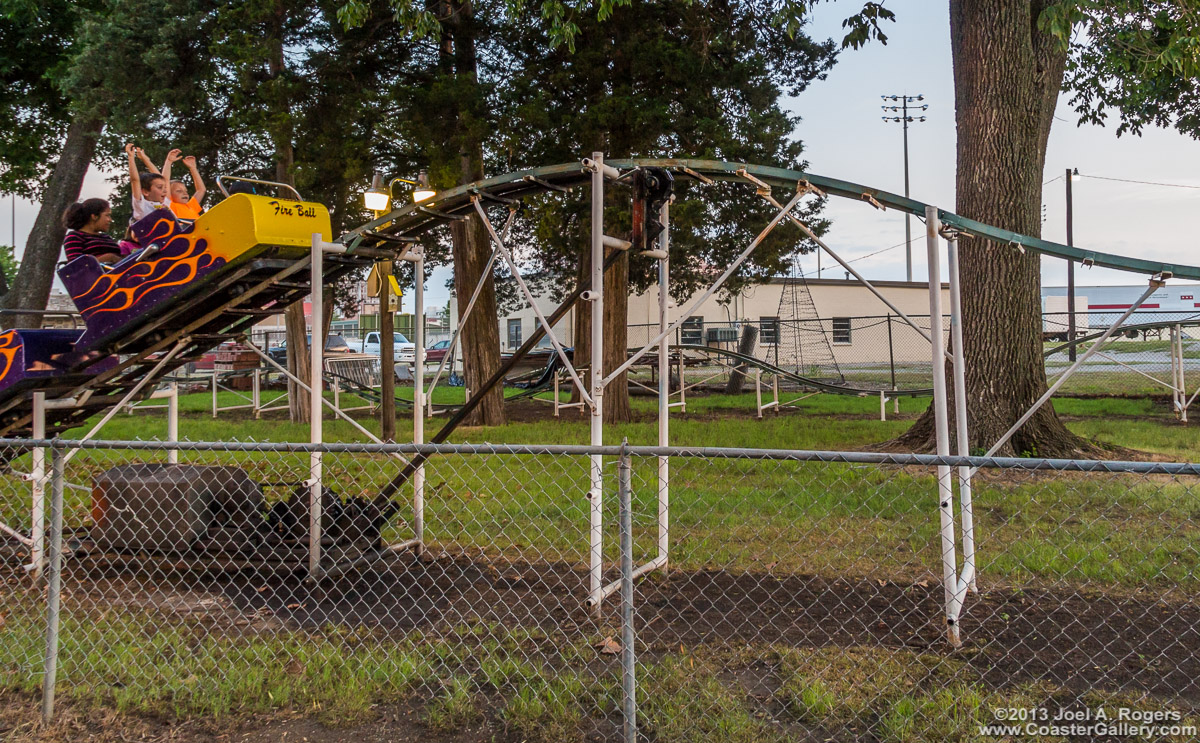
(891, 353)
(173, 423)
(54, 578)
(628, 657)
(37, 551)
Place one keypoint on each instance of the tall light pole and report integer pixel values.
(1072, 174)
(905, 119)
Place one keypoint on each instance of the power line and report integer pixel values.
(869, 255)
(1130, 180)
(877, 252)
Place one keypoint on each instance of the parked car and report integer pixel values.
(403, 351)
(437, 352)
(333, 344)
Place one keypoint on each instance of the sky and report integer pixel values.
(845, 138)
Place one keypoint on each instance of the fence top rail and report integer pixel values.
(796, 455)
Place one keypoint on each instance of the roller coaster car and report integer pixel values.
(29, 358)
(186, 269)
(195, 285)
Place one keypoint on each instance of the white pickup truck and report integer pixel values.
(403, 351)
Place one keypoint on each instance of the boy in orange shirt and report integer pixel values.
(181, 205)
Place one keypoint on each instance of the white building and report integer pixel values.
(855, 320)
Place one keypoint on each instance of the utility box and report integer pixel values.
(171, 507)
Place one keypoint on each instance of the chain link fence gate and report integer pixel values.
(801, 599)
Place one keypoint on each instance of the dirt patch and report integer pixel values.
(19, 723)
(1073, 639)
(1082, 642)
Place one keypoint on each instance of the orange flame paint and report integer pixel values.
(9, 345)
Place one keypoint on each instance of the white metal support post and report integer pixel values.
(37, 551)
(664, 388)
(316, 406)
(173, 421)
(417, 256)
(758, 391)
(596, 297)
(1179, 378)
(941, 424)
(966, 508)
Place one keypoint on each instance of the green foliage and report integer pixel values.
(9, 263)
(1140, 58)
(864, 25)
(686, 79)
(36, 45)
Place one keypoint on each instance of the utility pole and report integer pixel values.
(1072, 174)
(905, 119)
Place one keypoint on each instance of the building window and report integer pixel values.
(841, 330)
(514, 333)
(692, 330)
(768, 330)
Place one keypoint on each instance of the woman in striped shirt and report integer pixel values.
(86, 222)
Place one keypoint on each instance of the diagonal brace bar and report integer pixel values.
(784, 211)
(462, 320)
(328, 404)
(870, 287)
(1155, 285)
(152, 374)
(512, 266)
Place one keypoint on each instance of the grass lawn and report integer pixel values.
(1100, 534)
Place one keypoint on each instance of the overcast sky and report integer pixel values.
(845, 138)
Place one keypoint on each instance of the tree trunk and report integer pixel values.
(471, 242)
(616, 279)
(31, 288)
(297, 361)
(616, 335)
(295, 326)
(1007, 76)
(480, 332)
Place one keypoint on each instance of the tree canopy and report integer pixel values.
(1138, 58)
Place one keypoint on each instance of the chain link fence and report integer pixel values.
(887, 353)
(802, 596)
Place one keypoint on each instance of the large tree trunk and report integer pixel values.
(297, 361)
(1007, 76)
(616, 335)
(31, 289)
(470, 239)
(295, 326)
(480, 332)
